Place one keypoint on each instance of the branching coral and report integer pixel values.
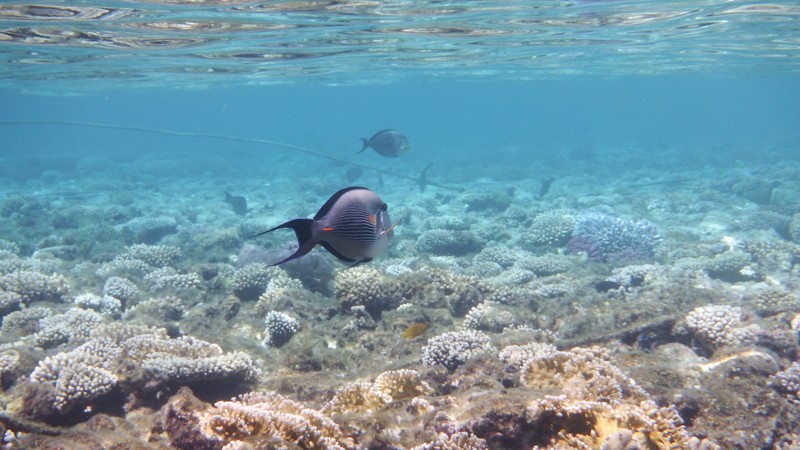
(612, 239)
(132, 354)
(269, 420)
(32, 286)
(454, 348)
(280, 327)
(719, 325)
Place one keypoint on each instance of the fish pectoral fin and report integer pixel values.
(389, 230)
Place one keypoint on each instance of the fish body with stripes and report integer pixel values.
(353, 225)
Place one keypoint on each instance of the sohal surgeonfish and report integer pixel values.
(391, 143)
(353, 225)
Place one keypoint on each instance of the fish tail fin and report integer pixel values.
(305, 239)
(365, 144)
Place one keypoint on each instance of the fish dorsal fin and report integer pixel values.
(334, 198)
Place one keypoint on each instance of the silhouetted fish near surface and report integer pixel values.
(237, 202)
(353, 225)
(391, 143)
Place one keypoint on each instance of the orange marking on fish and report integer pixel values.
(327, 229)
(372, 219)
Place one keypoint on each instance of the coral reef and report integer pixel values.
(448, 242)
(252, 420)
(148, 230)
(132, 355)
(787, 382)
(550, 228)
(280, 327)
(485, 201)
(718, 325)
(32, 286)
(454, 348)
(612, 239)
(107, 304)
(251, 281)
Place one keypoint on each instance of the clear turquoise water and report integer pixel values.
(467, 81)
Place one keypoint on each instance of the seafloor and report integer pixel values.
(650, 310)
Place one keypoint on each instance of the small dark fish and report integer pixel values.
(423, 177)
(391, 143)
(605, 286)
(545, 186)
(353, 174)
(237, 202)
(353, 225)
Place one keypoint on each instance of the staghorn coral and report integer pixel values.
(280, 327)
(77, 378)
(9, 364)
(152, 255)
(550, 228)
(545, 265)
(504, 257)
(402, 384)
(768, 300)
(9, 246)
(148, 230)
(107, 304)
(460, 440)
(391, 386)
(515, 356)
(120, 288)
(486, 200)
(454, 348)
(607, 238)
(597, 404)
(73, 326)
(794, 228)
(489, 316)
(134, 356)
(357, 397)
(188, 359)
(787, 382)
(167, 277)
(368, 287)
(34, 286)
(9, 301)
(268, 420)
(252, 280)
(448, 242)
(718, 325)
(165, 308)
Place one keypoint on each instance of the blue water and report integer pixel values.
(698, 119)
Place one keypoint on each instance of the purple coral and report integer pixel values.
(605, 238)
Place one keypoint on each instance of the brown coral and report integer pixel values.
(269, 420)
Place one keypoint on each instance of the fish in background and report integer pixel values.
(545, 187)
(352, 174)
(391, 143)
(353, 225)
(237, 202)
